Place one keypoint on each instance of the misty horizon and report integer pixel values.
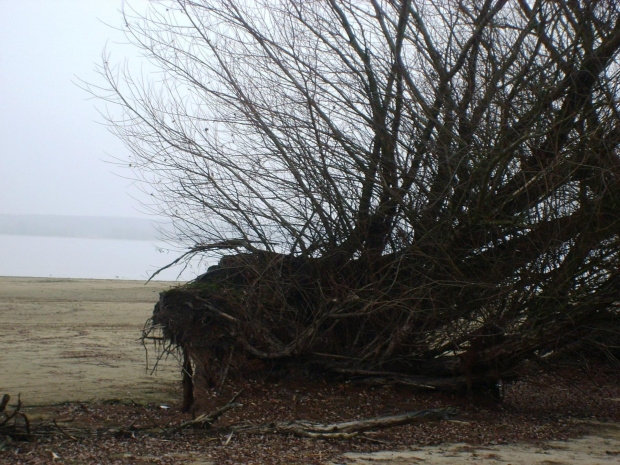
(88, 227)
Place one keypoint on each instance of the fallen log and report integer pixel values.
(312, 429)
(346, 429)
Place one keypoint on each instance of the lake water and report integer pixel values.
(60, 257)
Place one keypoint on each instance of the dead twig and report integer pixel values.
(63, 432)
(207, 420)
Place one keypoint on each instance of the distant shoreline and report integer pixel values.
(62, 279)
(49, 256)
(93, 238)
(85, 227)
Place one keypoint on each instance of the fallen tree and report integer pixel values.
(423, 189)
(292, 314)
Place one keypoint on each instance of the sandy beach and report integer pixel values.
(79, 340)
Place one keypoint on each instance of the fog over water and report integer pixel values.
(87, 247)
(71, 257)
(57, 159)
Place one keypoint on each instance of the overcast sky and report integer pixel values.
(53, 149)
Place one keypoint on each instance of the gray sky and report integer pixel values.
(53, 150)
